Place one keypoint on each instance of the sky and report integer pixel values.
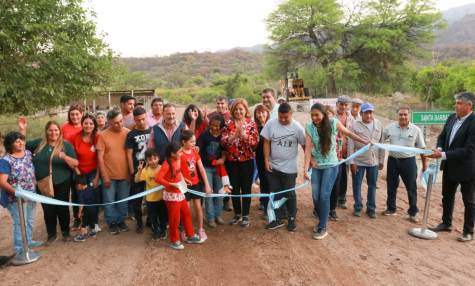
(139, 28)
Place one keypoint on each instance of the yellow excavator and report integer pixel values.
(292, 88)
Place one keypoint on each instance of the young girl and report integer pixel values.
(156, 209)
(190, 166)
(170, 177)
(261, 116)
(195, 120)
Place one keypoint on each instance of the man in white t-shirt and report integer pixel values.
(268, 100)
(282, 137)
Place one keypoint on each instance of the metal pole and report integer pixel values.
(423, 232)
(26, 256)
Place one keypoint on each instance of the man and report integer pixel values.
(154, 116)
(281, 100)
(136, 145)
(356, 108)
(222, 108)
(456, 147)
(112, 159)
(282, 137)
(165, 132)
(268, 100)
(127, 104)
(370, 162)
(401, 164)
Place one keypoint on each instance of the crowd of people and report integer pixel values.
(106, 157)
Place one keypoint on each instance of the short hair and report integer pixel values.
(156, 99)
(125, 98)
(10, 139)
(284, 108)
(73, 107)
(217, 117)
(221, 98)
(467, 97)
(100, 113)
(261, 108)
(186, 135)
(113, 113)
(404, 107)
(150, 153)
(139, 111)
(168, 105)
(243, 102)
(268, 90)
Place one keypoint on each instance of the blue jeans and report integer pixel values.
(30, 214)
(118, 190)
(213, 206)
(322, 184)
(371, 177)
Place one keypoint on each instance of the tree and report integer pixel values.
(49, 54)
(372, 38)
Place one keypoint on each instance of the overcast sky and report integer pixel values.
(161, 27)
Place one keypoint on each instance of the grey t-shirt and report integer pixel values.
(285, 140)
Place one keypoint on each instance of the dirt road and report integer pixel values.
(357, 251)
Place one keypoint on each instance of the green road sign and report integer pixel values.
(430, 117)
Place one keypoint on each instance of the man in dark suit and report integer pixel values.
(456, 147)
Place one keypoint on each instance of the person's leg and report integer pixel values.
(30, 215)
(262, 185)
(123, 188)
(357, 181)
(109, 195)
(328, 177)
(209, 201)
(246, 178)
(218, 201)
(316, 184)
(162, 215)
(236, 182)
(335, 192)
(273, 178)
(152, 213)
(468, 197)
(137, 203)
(392, 181)
(17, 240)
(449, 188)
(62, 192)
(371, 179)
(173, 220)
(185, 216)
(198, 212)
(343, 185)
(49, 215)
(288, 182)
(408, 171)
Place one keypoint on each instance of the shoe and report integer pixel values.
(202, 235)
(211, 223)
(315, 229)
(261, 207)
(219, 220)
(114, 229)
(92, 233)
(35, 243)
(155, 236)
(97, 228)
(275, 224)
(123, 227)
(177, 245)
(195, 239)
(227, 206)
(441, 227)
(139, 229)
(371, 214)
(414, 218)
(80, 238)
(465, 237)
(291, 226)
(66, 237)
(342, 206)
(245, 221)
(388, 213)
(236, 219)
(321, 234)
(76, 224)
(333, 216)
(357, 213)
(50, 240)
(162, 234)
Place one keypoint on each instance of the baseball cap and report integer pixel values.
(367, 107)
(357, 101)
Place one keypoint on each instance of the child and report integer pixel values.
(156, 209)
(190, 165)
(85, 193)
(170, 176)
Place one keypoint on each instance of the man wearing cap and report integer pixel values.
(401, 164)
(356, 108)
(127, 104)
(268, 100)
(370, 162)
(281, 100)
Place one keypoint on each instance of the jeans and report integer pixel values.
(29, 208)
(322, 183)
(240, 175)
(371, 178)
(407, 169)
(118, 190)
(279, 181)
(213, 206)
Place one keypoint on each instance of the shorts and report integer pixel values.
(189, 196)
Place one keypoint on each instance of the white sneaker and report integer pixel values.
(97, 228)
(177, 245)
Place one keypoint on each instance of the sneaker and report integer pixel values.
(388, 213)
(211, 223)
(275, 224)
(236, 219)
(333, 216)
(35, 243)
(291, 226)
(195, 239)
(139, 229)
(219, 220)
(342, 206)
(50, 240)
(321, 234)
(80, 238)
(76, 224)
(123, 227)
(114, 229)
(66, 237)
(97, 228)
(357, 213)
(465, 237)
(371, 214)
(202, 235)
(414, 218)
(162, 234)
(245, 221)
(92, 233)
(177, 245)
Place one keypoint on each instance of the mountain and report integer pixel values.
(455, 14)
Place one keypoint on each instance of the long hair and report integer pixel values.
(261, 108)
(187, 118)
(73, 107)
(94, 131)
(172, 148)
(324, 130)
(44, 140)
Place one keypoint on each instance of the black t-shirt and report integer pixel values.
(137, 140)
(210, 148)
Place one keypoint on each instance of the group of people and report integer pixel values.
(104, 158)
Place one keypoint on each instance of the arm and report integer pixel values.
(102, 168)
(160, 177)
(69, 157)
(253, 135)
(5, 185)
(201, 168)
(130, 161)
(348, 133)
(307, 155)
(266, 148)
(381, 153)
(468, 147)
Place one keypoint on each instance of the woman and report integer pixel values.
(240, 139)
(71, 128)
(63, 163)
(261, 116)
(194, 120)
(17, 171)
(320, 148)
(88, 177)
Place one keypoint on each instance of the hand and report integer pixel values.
(219, 162)
(424, 166)
(306, 177)
(193, 115)
(313, 163)
(175, 185)
(207, 189)
(107, 183)
(141, 165)
(381, 166)
(95, 182)
(353, 169)
(268, 167)
(205, 112)
(367, 141)
(22, 123)
(60, 155)
(436, 154)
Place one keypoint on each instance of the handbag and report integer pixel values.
(45, 185)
